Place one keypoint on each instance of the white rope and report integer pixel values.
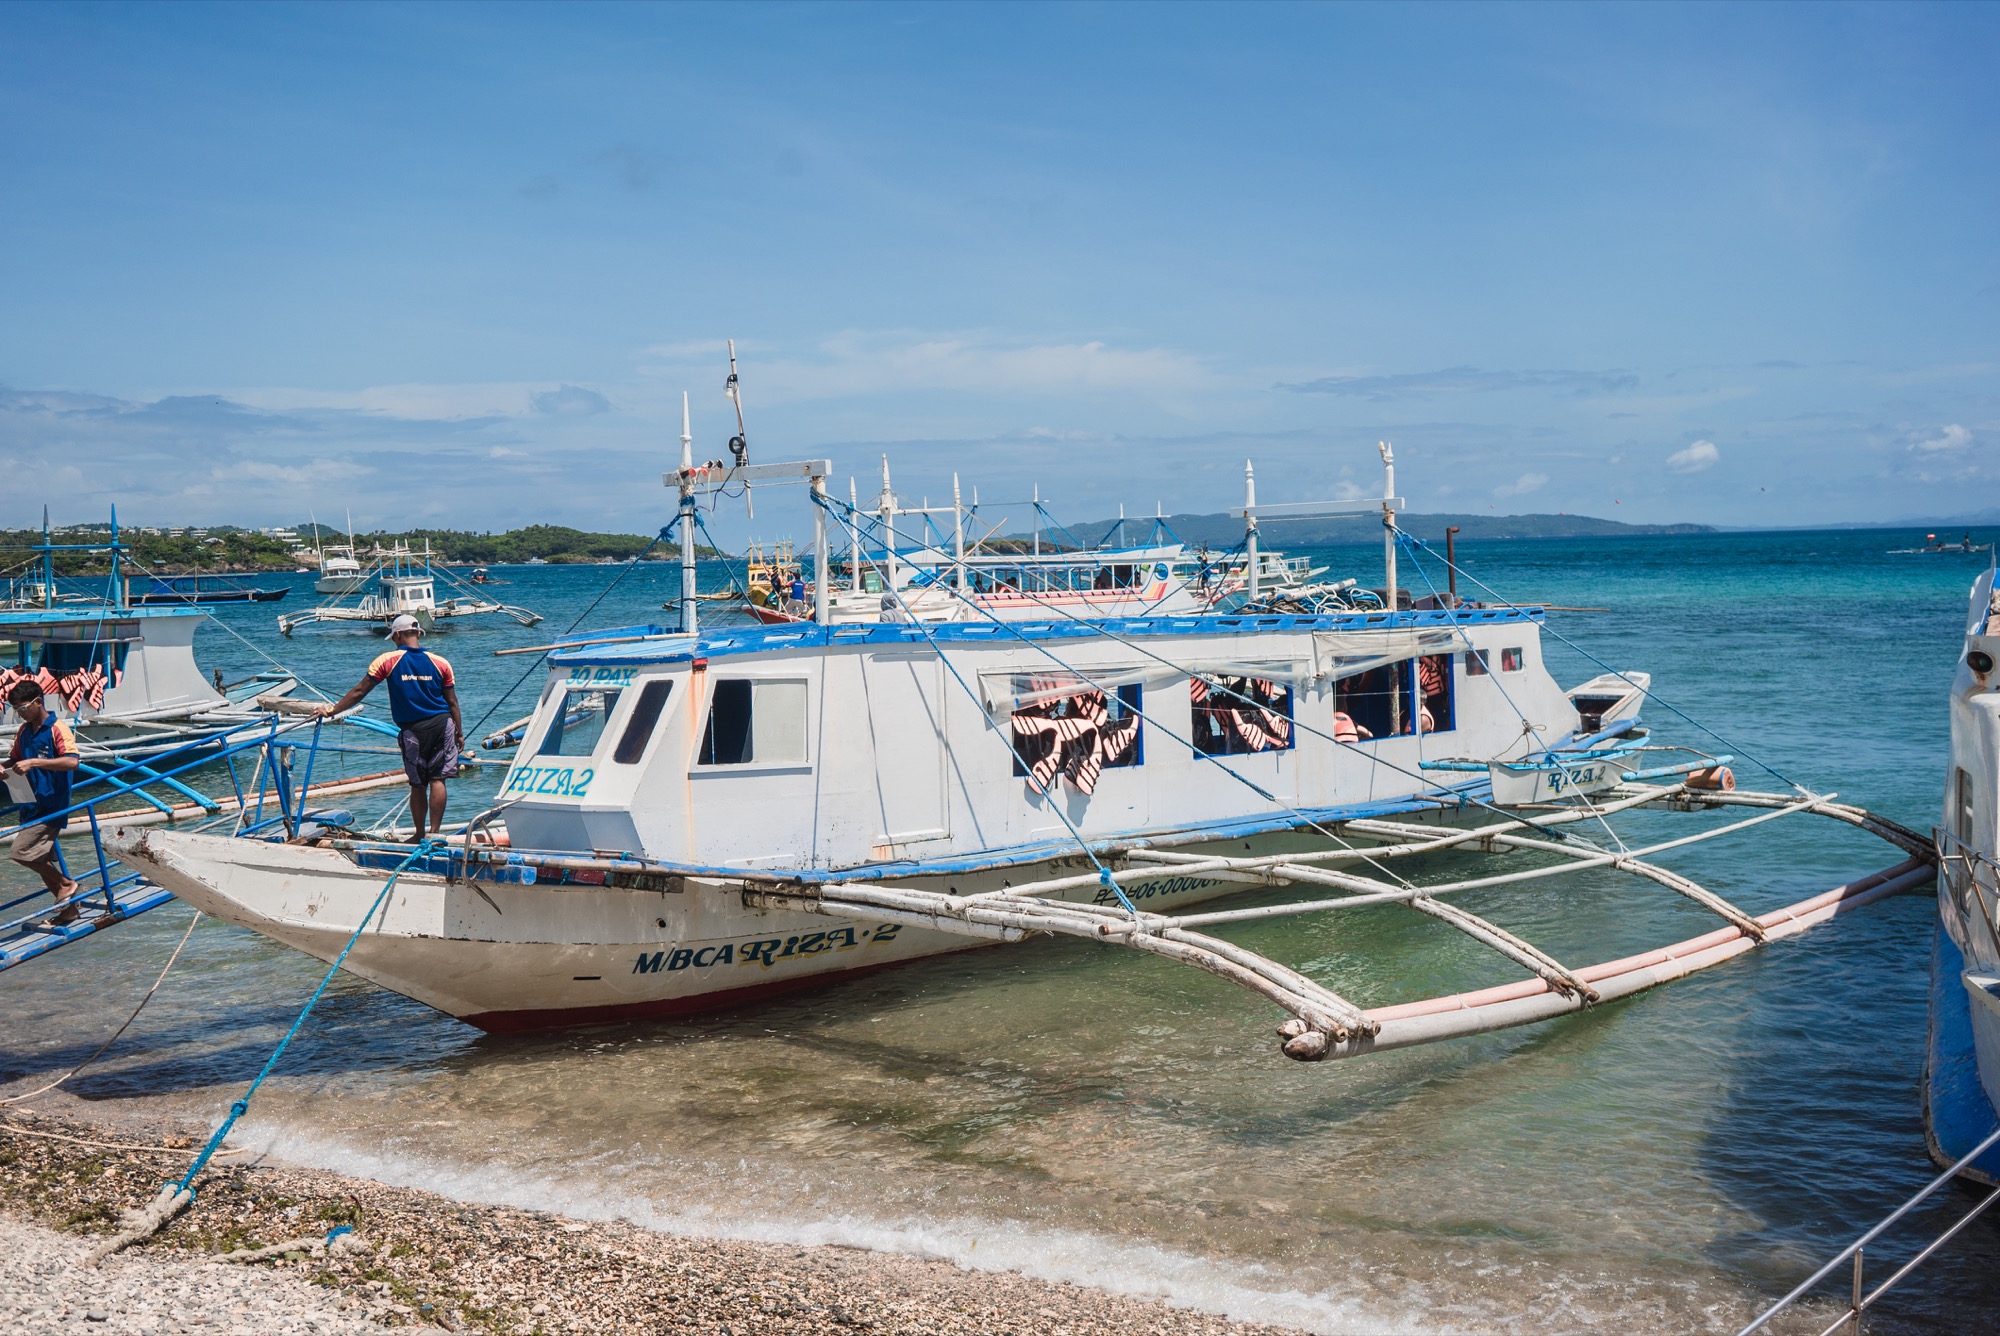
(17, 1099)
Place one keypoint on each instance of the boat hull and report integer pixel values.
(509, 956)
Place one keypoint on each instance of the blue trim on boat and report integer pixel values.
(1450, 797)
(665, 646)
(1957, 1114)
(95, 612)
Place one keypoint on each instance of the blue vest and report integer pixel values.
(416, 689)
(51, 786)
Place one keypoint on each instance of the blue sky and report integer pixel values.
(455, 264)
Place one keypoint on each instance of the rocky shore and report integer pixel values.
(412, 1258)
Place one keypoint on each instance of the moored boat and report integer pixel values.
(756, 809)
(1962, 1073)
(197, 589)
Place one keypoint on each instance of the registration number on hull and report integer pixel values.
(764, 951)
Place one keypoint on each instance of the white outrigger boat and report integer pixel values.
(403, 586)
(766, 808)
(939, 577)
(122, 676)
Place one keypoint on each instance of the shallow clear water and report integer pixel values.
(1085, 1113)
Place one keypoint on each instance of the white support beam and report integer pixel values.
(702, 478)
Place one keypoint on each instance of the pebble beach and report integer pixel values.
(415, 1259)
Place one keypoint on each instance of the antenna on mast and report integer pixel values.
(739, 444)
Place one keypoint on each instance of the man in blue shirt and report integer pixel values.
(44, 754)
(423, 700)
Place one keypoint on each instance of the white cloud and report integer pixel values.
(1953, 437)
(415, 403)
(570, 401)
(1521, 486)
(1701, 455)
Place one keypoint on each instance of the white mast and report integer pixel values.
(853, 539)
(1250, 523)
(1038, 519)
(885, 506)
(957, 534)
(688, 513)
(1388, 523)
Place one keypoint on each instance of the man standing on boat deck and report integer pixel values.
(44, 753)
(423, 700)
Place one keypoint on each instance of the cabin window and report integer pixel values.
(754, 723)
(579, 722)
(1475, 663)
(1434, 698)
(1961, 808)
(1238, 715)
(645, 717)
(1374, 704)
(1510, 660)
(1078, 735)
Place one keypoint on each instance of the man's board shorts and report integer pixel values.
(430, 749)
(33, 843)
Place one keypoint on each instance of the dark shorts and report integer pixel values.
(32, 844)
(430, 749)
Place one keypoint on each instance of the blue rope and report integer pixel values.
(1103, 873)
(536, 662)
(242, 1106)
(1666, 705)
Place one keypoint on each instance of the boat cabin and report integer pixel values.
(833, 746)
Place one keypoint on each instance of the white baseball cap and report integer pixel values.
(404, 622)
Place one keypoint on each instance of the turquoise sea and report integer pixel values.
(1082, 1113)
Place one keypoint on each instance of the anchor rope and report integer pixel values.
(1405, 541)
(1104, 874)
(101, 1048)
(536, 662)
(242, 1105)
(1667, 705)
(1102, 628)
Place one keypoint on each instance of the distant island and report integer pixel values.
(1225, 531)
(230, 549)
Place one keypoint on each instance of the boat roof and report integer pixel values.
(91, 613)
(932, 553)
(656, 644)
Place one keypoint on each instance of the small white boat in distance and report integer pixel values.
(339, 572)
(404, 586)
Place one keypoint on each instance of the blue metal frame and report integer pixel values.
(110, 895)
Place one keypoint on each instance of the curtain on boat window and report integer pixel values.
(1076, 734)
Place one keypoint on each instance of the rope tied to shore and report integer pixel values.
(175, 1196)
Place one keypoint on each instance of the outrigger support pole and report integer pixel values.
(1322, 1024)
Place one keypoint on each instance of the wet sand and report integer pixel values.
(424, 1260)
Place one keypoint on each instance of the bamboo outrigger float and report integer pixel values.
(755, 810)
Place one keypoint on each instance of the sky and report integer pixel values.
(456, 265)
